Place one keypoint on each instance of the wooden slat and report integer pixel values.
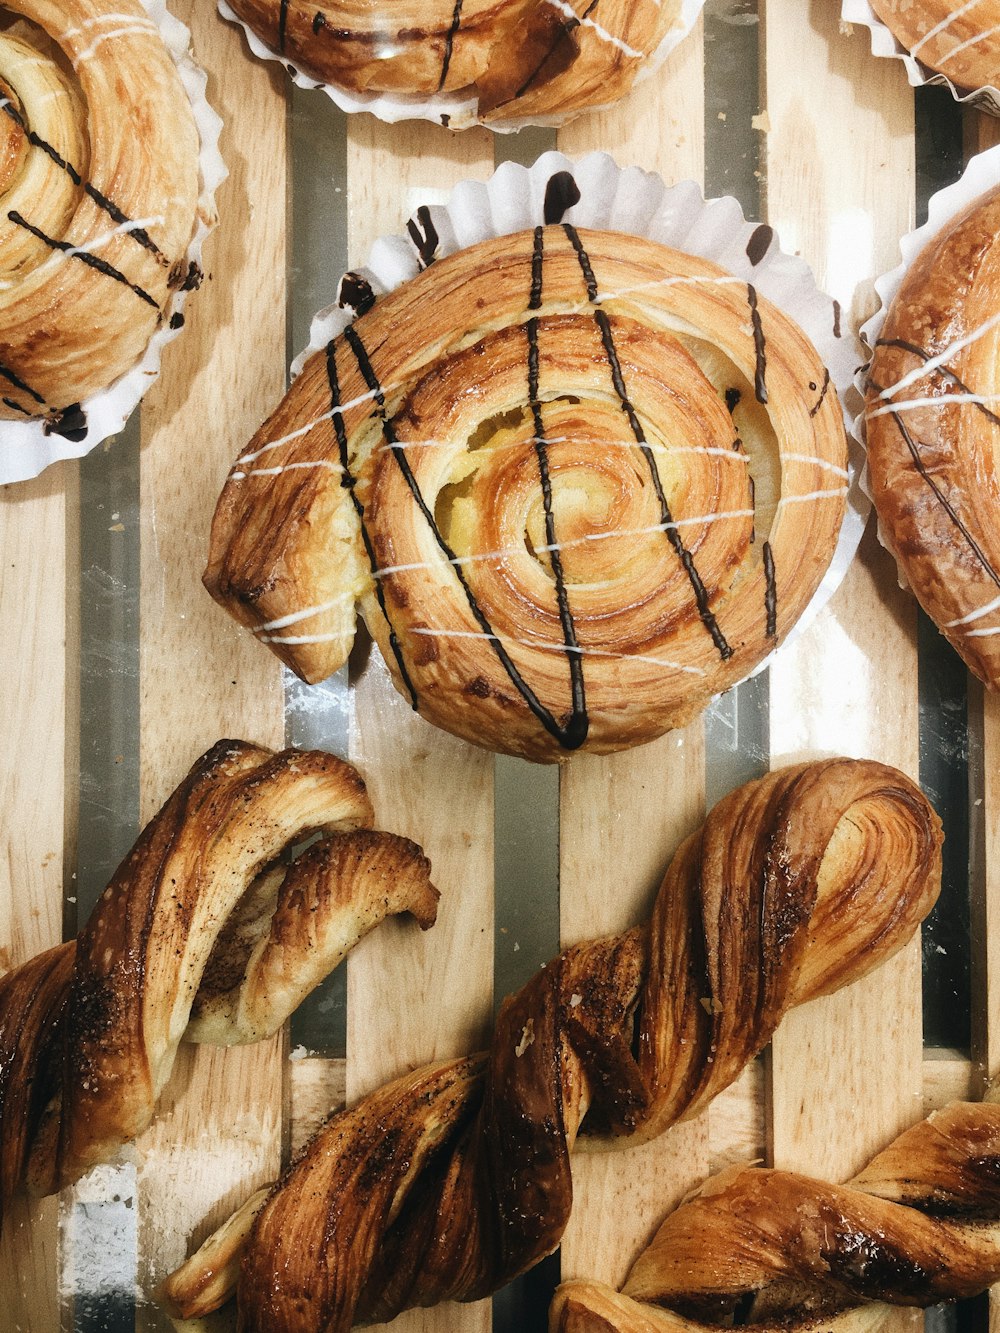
(621, 817)
(33, 664)
(412, 997)
(840, 190)
(218, 1132)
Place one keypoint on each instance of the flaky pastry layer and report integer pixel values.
(577, 482)
(957, 38)
(98, 200)
(933, 430)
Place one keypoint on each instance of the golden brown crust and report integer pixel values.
(521, 58)
(89, 1032)
(450, 1181)
(958, 38)
(581, 562)
(916, 1227)
(99, 205)
(934, 434)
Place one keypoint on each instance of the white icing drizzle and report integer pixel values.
(287, 467)
(972, 41)
(298, 638)
(133, 30)
(945, 23)
(978, 614)
(559, 647)
(932, 364)
(813, 495)
(939, 400)
(569, 12)
(296, 617)
(367, 397)
(89, 246)
(981, 633)
(817, 462)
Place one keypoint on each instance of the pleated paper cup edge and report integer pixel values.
(678, 216)
(25, 449)
(981, 174)
(456, 113)
(885, 45)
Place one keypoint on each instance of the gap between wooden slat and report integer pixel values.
(411, 997)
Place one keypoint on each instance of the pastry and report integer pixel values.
(957, 38)
(932, 427)
(203, 934)
(521, 59)
(578, 483)
(447, 1183)
(916, 1227)
(99, 188)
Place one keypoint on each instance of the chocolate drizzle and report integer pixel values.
(449, 42)
(12, 377)
(770, 591)
(759, 384)
(319, 21)
(85, 257)
(355, 292)
(424, 236)
(567, 24)
(914, 448)
(759, 243)
(733, 397)
(349, 482)
(666, 518)
(561, 194)
(836, 319)
(822, 393)
(940, 370)
(282, 24)
(576, 730)
(70, 423)
(15, 407)
(537, 259)
(138, 234)
(569, 737)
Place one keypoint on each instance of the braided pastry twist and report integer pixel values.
(99, 192)
(202, 935)
(520, 58)
(777, 1250)
(578, 482)
(452, 1180)
(957, 38)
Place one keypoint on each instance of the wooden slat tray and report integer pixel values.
(118, 670)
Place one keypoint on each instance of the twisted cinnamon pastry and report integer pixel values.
(958, 38)
(455, 1178)
(201, 936)
(578, 482)
(932, 426)
(520, 58)
(98, 200)
(776, 1250)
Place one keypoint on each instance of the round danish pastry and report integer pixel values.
(578, 483)
(99, 194)
(519, 59)
(932, 427)
(959, 40)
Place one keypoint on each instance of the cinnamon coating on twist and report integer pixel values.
(933, 430)
(577, 482)
(521, 59)
(204, 934)
(957, 38)
(99, 191)
(919, 1225)
(455, 1178)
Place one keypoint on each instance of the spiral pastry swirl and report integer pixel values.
(933, 427)
(98, 200)
(449, 1182)
(519, 58)
(957, 38)
(202, 935)
(578, 483)
(919, 1225)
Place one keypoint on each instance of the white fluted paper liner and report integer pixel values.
(458, 113)
(25, 449)
(982, 174)
(884, 43)
(629, 200)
